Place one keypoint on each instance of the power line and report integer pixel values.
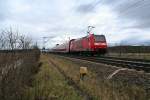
(46, 39)
(135, 5)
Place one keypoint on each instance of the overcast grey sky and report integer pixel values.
(119, 20)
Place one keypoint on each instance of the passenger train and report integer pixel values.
(90, 44)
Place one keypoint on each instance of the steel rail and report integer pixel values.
(125, 63)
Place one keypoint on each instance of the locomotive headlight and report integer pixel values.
(96, 43)
(100, 43)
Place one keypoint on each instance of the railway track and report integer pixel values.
(140, 65)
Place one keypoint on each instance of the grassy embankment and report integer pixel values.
(30, 82)
(49, 84)
(138, 52)
(100, 89)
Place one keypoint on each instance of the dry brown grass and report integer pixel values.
(16, 71)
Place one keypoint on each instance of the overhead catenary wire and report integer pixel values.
(46, 39)
(135, 5)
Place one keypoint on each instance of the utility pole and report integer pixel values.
(45, 40)
(89, 29)
(69, 38)
(67, 35)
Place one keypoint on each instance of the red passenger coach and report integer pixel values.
(91, 44)
(62, 48)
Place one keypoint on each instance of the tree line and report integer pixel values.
(12, 40)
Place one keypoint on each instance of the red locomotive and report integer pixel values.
(91, 44)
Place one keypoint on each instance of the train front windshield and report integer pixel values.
(99, 38)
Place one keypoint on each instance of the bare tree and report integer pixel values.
(24, 42)
(11, 40)
(27, 43)
(3, 42)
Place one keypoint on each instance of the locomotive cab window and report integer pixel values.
(99, 38)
